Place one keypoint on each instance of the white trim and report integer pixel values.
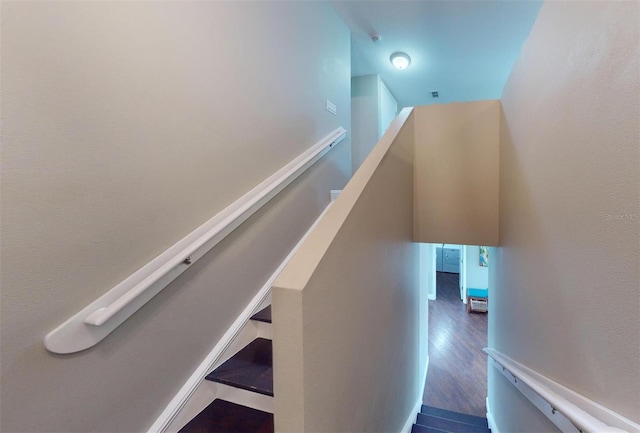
(567, 409)
(413, 415)
(217, 354)
(426, 372)
(491, 420)
(97, 320)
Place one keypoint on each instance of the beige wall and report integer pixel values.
(125, 125)
(347, 310)
(457, 173)
(565, 299)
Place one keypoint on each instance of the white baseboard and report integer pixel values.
(413, 415)
(426, 371)
(490, 419)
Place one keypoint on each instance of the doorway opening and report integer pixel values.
(455, 276)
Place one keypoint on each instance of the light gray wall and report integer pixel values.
(476, 276)
(349, 347)
(565, 297)
(427, 271)
(387, 108)
(373, 108)
(125, 126)
(364, 117)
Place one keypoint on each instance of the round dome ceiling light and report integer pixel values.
(400, 60)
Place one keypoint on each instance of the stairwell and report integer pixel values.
(251, 369)
(382, 190)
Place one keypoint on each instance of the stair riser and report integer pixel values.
(262, 329)
(244, 397)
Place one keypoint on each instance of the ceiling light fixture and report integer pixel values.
(400, 60)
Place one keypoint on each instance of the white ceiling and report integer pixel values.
(463, 49)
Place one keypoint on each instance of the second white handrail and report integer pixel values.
(581, 419)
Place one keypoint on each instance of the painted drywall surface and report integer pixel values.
(125, 126)
(388, 108)
(565, 300)
(364, 118)
(476, 276)
(511, 410)
(360, 307)
(373, 108)
(427, 270)
(457, 173)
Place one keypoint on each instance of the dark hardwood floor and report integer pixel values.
(457, 376)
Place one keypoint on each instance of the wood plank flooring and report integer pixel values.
(457, 377)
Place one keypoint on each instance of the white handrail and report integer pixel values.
(557, 398)
(101, 317)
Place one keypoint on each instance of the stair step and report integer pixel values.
(422, 429)
(222, 417)
(250, 369)
(263, 315)
(448, 425)
(455, 416)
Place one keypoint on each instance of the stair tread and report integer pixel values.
(251, 368)
(416, 428)
(222, 416)
(263, 315)
(455, 416)
(449, 425)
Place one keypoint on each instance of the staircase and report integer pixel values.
(434, 420)
(250, 369)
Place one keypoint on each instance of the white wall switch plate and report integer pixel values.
(331, 107)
